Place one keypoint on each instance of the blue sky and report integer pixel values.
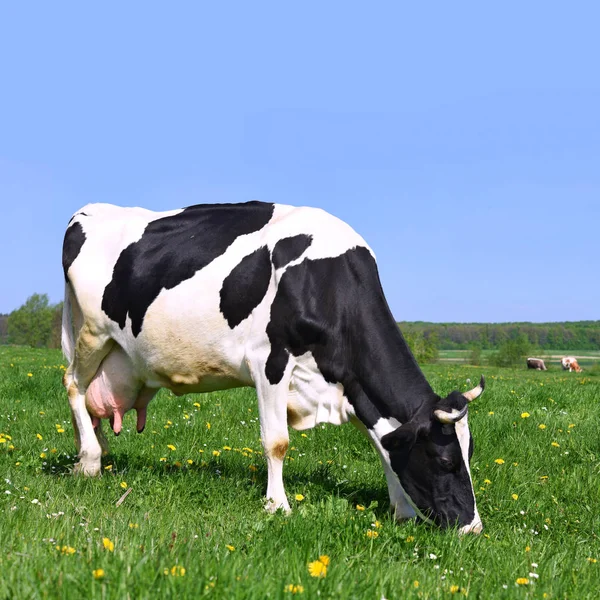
(461, 140)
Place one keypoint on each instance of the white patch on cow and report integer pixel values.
(463, 435)
(311, 399)
(402, 504)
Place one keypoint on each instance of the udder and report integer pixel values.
(115, 390)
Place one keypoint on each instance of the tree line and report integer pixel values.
(38, 324)
(575, 335)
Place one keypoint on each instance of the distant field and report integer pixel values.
(194, 527)
(585, 358)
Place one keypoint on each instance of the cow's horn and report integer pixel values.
(443, 416)
(476, 391)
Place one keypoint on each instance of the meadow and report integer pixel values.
(193, 526)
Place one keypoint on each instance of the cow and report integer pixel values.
(285, 299)
(537, 364)
(569, 363)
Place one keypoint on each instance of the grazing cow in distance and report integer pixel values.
(536, 363)
(284, 299)
(569, 363)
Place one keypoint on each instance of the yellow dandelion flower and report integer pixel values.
(108, 545)
(197, 404)
(410, 538)
(43, 455)
(377, 524)
(108, 468)
(556, 444)
(487, 481)
(522, 581)
(60, 430)
(303, 435)
(293, 589)
(525, 415)
(98, 573)
(515, 496)
(299, 497)
(454, 589)
(372, 534)
(592, 560)
(541, 426)
(491, 412)
(318, 568)
(415, 584)
(163, 459)
(39, 436)
(133, 526)
(190, 461)
(216, 453)
(360, 507)
(230, 547)
(571, 425)
(177, 571)
(226, 447)
(207, 425)
(29, 374)
(123, 484)
(171, 447)
(527, 548)
(499, 461)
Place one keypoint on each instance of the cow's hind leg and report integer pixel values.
(90, 350)
(272, 407)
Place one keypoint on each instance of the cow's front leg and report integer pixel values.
(272, 406)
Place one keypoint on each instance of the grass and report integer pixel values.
(541, 506)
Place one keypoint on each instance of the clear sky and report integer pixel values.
(462, 140)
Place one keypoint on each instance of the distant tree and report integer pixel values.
(511, 353)
(475, 355)
(425, 349)
(3, 329)
(56, 332)
(31, 324)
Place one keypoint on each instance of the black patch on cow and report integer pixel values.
(245, 287)
(335, 308)
(72, 244)
(289, 249)
(172, 250)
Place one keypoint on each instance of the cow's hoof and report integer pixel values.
(271, 506)
(87, 468)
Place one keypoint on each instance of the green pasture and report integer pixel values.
(193, 524)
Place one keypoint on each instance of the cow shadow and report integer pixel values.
(321, 479)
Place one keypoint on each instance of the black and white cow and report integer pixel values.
(281, 298)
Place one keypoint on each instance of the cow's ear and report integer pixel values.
(402, 439)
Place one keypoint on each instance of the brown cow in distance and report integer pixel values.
(569, 363)
(536, 363)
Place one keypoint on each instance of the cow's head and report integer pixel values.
(430, 454)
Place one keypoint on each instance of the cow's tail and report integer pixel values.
(67, 338)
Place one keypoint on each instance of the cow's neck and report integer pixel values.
(391, 383)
